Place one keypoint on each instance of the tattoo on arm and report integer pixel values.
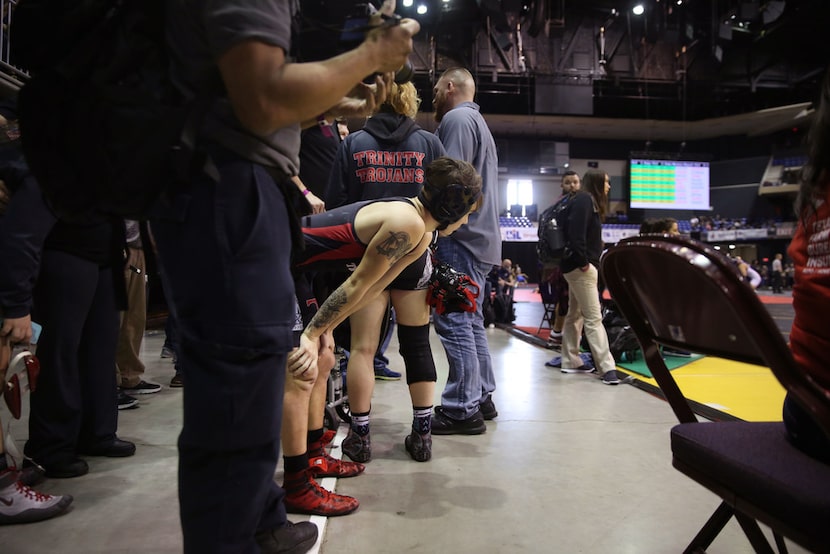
(329, 311)
(395, 247)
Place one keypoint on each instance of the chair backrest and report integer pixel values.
(681, 293)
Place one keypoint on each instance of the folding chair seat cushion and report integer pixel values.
(754, 464)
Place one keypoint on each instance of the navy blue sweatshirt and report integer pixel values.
(386, 158)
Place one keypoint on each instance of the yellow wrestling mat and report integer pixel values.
(733, 389)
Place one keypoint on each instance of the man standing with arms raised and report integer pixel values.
(466, 401)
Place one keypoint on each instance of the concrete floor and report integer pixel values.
(569, 466)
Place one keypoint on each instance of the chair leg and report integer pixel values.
(547, 317)
(753, 533)
(711, 529)
(779, 542)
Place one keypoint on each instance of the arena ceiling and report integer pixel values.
(690, 68)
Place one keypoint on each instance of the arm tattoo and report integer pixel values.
(395, 247)
(329, 311)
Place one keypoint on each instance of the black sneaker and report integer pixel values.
(611, 378)
(580, 369)
(176, 382)
(488, 408)
(143, 387)
(442, 424)
(125, 401)
(292, 538)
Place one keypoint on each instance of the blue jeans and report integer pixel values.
(471, 376)
(381, 362)
(226, 258)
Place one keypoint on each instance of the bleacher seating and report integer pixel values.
(506, 221)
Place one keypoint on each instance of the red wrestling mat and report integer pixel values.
(544, 334)
(767, 297)
(530, 294)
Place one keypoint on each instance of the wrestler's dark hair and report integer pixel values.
(452, 189)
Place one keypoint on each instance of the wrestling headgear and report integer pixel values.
(451, 291)
(450, 202)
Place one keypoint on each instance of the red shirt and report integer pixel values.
(810, 252)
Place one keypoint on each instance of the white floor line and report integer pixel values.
(328, 483)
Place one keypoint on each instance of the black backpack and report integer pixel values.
(103, 129)
(622, 341)
(552, 247)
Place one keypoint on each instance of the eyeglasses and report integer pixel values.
(24, 369)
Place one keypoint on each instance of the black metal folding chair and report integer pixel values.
(683, 294)
(548, 306)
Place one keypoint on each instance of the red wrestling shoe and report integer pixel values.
(304, 496)
(327, 466)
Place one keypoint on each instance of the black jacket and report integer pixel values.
(583, 230)
(29, 227)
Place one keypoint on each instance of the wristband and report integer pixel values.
(306, 192)
(325, 127)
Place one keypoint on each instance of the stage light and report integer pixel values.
(638, 9)
(407, 3)
(422, 9)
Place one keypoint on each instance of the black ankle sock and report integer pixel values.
(295, 464)
(3, 464)
(315, 435)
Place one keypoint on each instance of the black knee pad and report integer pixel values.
(416, 353)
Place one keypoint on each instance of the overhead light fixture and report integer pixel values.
(638, 9)
(422, 9)
(407, 3)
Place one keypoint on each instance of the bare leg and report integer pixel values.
(303, 494)
(360, 373)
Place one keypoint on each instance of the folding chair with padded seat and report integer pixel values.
(683, 294)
